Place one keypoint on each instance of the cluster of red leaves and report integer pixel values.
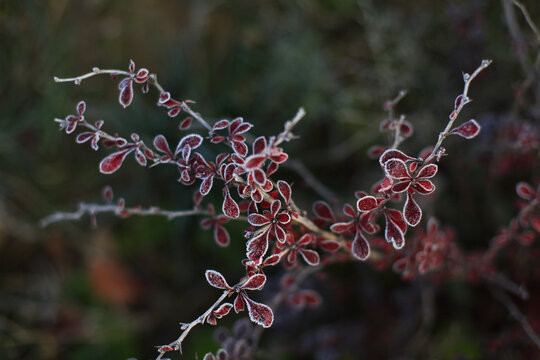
(279, 231)
(525, 228)
(258, 313)
(430, 251)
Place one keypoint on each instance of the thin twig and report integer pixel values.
(518, 315)
(94, 209)
(95, 71)
(508, 285)
(286, 134)
(531, 23)
(465, 100)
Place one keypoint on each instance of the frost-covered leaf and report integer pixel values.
(342, 227)
(467, 130)
(394, 234)
(126, 92)
(217, 280)
(427, 171)
(310, 256)
(360, 247)
(260, 314)
(238, 304)
(525, 191)
(394, 154)
(366, 203)
(221, 236)
(323, 211)
(411, 211)
(258, 219)
(161, 144)
(230, 207)
(284, 190)
(396, 169)
(256, 282)
(271, 260)
(113, 162)
(191, 140)
(257, 247)
(223, 310)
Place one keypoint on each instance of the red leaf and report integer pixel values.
(81, 107)
(84, 137)
(259, 313)
(126, 92)
(257, 247)
(329, 245)
(238, 304)
(142, 75)
(259, 176)
(424, 187)
(397, 217)
(221, 236)
(367, 203)
(305, 240)
(191, 140)
(206, 185)
(279, 159)
(393, 234)
(280, 233)
(217, 280)
(211, 319)
(396, 169)
(259, 145)
(349, 210)
(323, 211)
(162, 145)
(244, 127)
(186, 123)
(113, 162)
(375, 151)
(164, 97)
(411, 211)
(174, 112)
(254, 161)
(223, 310)
(467, 130)
(283, 218)
(285, 190)
(234, 124)
(427, 171)
(524, 190)
(256, 282)
(310, 256)
(402, 186)
(222, 124)
(342, 227)
(139, 156)
(240, 148)
(230, 207)
(393, 154)
(107, 194)
(258, 219)
(207, 223)
(272, 260)
(360, 247)
(406, 128)
(311, 298)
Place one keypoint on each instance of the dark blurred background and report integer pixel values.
(71, 291)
